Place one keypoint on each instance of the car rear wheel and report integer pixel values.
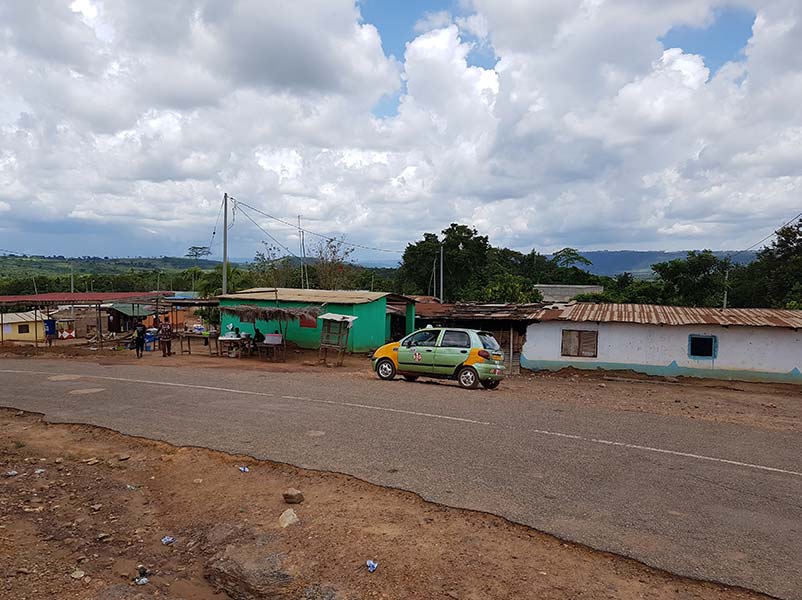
(411, 377)
(491, 384)
(385, 369)
(468, 378)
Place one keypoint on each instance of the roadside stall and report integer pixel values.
(270, 345)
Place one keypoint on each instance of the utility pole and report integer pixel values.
(442, 295)
(72, 291)
(225, 243)
(301, 247)
(726, 286)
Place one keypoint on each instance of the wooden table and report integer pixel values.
(226, 342)
(276, 351)
(190, 335)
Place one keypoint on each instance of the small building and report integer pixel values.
(738, 344)
(559, 292)
(381, 315)
(507, 322)
(22, 327)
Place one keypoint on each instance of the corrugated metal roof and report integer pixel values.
(22, 317)
(473, 311)
(133, 310)
(80, 298)
(652, 314)
(312, 296)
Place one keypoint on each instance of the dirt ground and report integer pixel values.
(771, 406)
(88, 505)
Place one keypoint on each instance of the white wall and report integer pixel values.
(741, 350)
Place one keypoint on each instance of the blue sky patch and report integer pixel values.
(396, 21)
(720, 42)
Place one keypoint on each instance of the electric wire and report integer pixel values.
(772, 234)
(263, 230)
(320, 235)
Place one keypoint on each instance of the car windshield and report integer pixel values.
(488, 341)
(427, 337)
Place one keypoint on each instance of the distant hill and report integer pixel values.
(639, 262)
(605, 262)
(26, 266)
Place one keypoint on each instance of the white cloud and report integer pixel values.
(433, 20)
(123, 118)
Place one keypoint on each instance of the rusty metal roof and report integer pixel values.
(92, 298)
(652, 314)
(474, 311)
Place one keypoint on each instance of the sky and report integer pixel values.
(595, 124)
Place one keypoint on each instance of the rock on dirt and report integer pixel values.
(251, 571)
(319, 592)
(120, 592)
(293, 496)
(287, 518)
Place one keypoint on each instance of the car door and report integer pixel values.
(451, 351)
(416, 353)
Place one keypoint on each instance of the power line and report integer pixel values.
(214, 229)
(263, 230)
(320, 235)
(772, 234)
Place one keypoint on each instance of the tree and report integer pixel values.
(466, 255)
(270, 269)
(699, 280)
(512, 289)
(197, 252)
(331, 260)
(569, 257)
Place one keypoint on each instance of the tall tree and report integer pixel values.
(698, 280)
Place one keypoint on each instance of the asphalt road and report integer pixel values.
(707, 500)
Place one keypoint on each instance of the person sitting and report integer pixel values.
(258, 336)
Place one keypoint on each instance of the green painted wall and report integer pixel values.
(410, 318)
(368, 332)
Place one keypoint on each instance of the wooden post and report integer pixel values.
(99, 329)
(35, 329)
(2, 327)
(510, 350)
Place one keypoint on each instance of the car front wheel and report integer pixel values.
(385, 369)
(468, 378)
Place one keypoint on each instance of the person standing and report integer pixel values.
(166, 337)
(139, 338)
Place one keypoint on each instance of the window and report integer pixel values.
(427, 337)
(580, 343)
(702, 346)
(455, 339)
(308, 322)
(23, 328)
(488, 341)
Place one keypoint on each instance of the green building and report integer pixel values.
(381, 317)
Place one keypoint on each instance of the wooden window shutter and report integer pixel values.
(570, 343)
(588, 343)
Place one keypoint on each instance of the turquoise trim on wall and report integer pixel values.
(670, 370)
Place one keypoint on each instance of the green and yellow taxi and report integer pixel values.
(470, 357)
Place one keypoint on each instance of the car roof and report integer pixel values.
(451, 329)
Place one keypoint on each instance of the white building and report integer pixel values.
(743, 344)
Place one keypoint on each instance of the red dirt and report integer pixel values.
(50, 523)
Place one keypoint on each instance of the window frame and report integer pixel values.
(693, 336)
(579, 333)
(407, 343)
(442, 339)
(27, 327)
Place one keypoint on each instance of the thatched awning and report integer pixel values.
(249, 313)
